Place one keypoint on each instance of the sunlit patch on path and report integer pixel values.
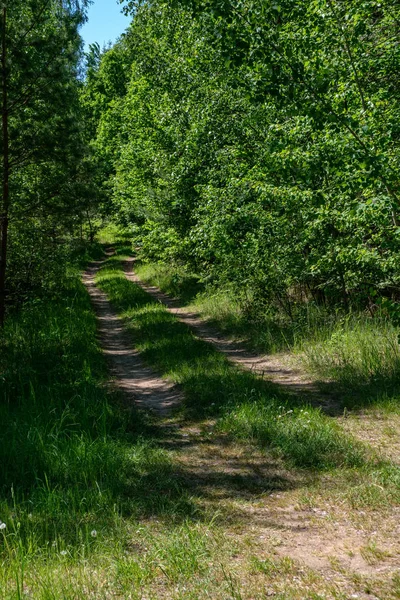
(136, 380)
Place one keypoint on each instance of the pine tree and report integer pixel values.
(40, 52)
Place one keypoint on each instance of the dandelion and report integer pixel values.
(93, 533)
(2, 525)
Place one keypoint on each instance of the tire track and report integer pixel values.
(136, 380)
(275, 368)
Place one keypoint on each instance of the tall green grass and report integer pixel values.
(174, 280)
(91, 502)
(357, 353)
(77, 465)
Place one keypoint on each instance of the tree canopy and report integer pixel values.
(256, 142)
(259, 142)
(43, 138)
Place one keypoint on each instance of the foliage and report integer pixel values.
(47, 171)
(262, 140)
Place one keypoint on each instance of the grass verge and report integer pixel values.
(247, 406)
(79, 470)
(358, 355)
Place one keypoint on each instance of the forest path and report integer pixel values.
(136, 380)
(277, 368)
(282, 517)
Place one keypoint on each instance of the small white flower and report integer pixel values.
(93, 533)
(63, 553)
(3, 525)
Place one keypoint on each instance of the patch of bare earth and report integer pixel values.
(136, 380)
(289, 534)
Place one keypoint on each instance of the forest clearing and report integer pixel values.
(200, 302)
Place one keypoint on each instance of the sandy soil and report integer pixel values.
(137, 381)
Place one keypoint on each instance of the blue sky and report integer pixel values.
(106, 23)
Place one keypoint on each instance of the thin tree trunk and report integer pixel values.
(91, 231)
(6, 174)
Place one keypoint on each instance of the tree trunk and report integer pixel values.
(91, 230)
(6, 174)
